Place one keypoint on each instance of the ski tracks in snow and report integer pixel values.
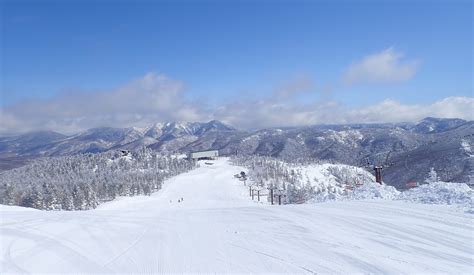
(219, 229)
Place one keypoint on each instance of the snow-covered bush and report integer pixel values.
(432, 176)
(368, 190)
(82, 182)
(371, 190)
(440, 193)
(329, 195)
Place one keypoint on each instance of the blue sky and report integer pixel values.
(222, 51)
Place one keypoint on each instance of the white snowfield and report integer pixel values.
(219, 229)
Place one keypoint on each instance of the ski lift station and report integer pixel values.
(198, 155)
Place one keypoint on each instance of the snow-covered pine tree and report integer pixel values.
(432, 176)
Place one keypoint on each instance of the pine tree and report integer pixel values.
(8, 195)
(78, 198)
(67, 202)
(432, 176)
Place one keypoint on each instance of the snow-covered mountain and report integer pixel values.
(436, 125)
(105, 138)
(413, 148)
(27, 143)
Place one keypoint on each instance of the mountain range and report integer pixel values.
(408, 150)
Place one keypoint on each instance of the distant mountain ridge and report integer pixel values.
(413, 147)
(437, 125)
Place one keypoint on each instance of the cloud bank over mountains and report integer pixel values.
(156, 98)
(386, 66)
(145, 100)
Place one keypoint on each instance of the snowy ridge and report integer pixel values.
(348, 137)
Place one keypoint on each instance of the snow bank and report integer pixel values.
(369, 190)
(448, 193)
(328, 196)
(372, 190)
(440, 193)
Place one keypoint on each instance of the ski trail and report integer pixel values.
(219, 229)
(127, 249)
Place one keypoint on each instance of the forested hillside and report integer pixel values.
(82, 182)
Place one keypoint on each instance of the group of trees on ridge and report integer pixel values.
(82, 182)
(292, 181)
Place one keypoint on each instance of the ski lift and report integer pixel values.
(377, 167)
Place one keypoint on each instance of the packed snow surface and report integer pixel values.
(218, 228)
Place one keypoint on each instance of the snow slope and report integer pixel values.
(218, 228)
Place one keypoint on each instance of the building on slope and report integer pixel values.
(200, 155)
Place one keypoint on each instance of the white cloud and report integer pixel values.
(269, 113)
(386, 66)
(157, 98)
(393, 111)
(143, 101)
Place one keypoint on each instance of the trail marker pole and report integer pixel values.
(258, 195)
(252, 194)
(250, 191)
(271, 195)
(279, 199)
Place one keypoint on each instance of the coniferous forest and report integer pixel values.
(82, 182)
